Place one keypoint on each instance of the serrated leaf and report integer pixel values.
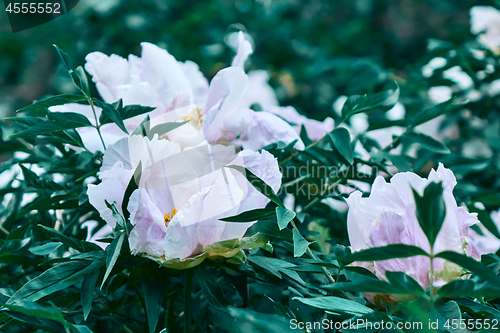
(341, 140)
(251, 215)
(427, 142)
(113, 251)
(430, 210)
(258, 184)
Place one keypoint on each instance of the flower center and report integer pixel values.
(168, 217)
(195, 117)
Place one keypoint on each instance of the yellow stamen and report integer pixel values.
(169, 217)
(195, 117)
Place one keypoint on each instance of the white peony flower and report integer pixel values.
(388, 216)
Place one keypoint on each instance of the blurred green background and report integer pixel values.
(314, 50)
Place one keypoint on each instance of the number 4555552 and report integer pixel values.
(33, 8)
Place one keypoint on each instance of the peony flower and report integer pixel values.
(485, 22)
(158, 80)
(182, 194)
(388, 216)
(486, 241)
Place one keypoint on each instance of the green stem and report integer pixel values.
(187, 300)
(97, 126)
(431, 299)
(170, 314)
(328, 276)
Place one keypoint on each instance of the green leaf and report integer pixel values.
(164, 128)
(87, 292)
(251, 215)
(336, 304)
(69, 120)
(133, 185)
(341, 140)
(362, 280)
(457, 288)
(45, 249)
(35, 310)
(427, 142)
(471, 265)
(431, 210)
(48, 282)
(211, 291)
(126, 112)
(258, 184)
(254, 322)
(381, 101)
(300, 245)
(64, 57)
(402, 281)
(433, 112)
(284, 216)
(32, 179)
(120, 220)
(41, 107)
(391, 251)
(271, 230)
(113, 251)
(273, 265)
(80, 80)
(68, 241)
(112, 113)
(154, 285)
(42, 128)
(477, 308)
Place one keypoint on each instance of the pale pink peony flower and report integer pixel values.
(388, 216)
(182, 194)
(158, 80)
(487, 242)
(485, 22)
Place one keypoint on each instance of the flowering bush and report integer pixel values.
(154, 189)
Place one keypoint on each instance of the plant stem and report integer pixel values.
(169, 314)
(97, 126)
(431, 300)
(328, 276)
(187, 300)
